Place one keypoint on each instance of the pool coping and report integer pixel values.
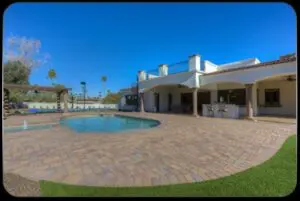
(159, 123)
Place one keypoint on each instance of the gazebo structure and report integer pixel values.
(58, 90)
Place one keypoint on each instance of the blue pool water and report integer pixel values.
(29, 127)
(107, 123)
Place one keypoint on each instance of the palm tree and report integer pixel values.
(52, 75)
(103, 79)
(108, 91)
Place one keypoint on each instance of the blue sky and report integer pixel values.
(88, 40)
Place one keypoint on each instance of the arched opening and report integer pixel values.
(276, 95)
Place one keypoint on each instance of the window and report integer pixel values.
(233, 96)
(131, 100)
(272, 97)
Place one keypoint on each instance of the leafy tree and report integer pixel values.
(112, 98)
(16, 72)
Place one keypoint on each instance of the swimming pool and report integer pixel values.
(107, 123)
(29, 127)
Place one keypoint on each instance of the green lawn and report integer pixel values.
(275, 177)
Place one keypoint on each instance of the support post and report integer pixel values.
(6, 103)
(65, 102)
(195, 102)
(142, 102)
(249, 101)
(58, 101)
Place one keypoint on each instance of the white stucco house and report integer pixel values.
(253, 87)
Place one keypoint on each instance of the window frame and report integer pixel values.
(272, 103)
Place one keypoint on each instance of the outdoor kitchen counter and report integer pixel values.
(221, 110)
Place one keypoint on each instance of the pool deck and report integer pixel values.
(181, 149)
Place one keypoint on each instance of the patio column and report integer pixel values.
(58, 100)
(142, 102)
(249, 101)
(65, 101)
(6, 102)
(254, 99)
(195, 102)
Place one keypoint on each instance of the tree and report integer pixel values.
(112, 98)
(108, 91)
(52, 75)
(16, 72)
(104, 79)
(25, 50)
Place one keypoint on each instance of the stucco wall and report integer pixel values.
(251, 75)
(209, 67)
(287, 98)
(187, 78)
(164, 91)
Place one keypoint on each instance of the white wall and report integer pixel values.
(179, 78)
(287, 98)
(164, 91)
(237, 64)
(213, 96)
(148, 101)
(209, 67)
(251, 75)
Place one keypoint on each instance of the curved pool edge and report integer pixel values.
(134, 116)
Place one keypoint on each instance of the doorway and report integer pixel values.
(156, 99)
(170, 102)
(203, 98)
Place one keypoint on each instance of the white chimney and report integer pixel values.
(194, 62)
(163, 70)
(142, 76)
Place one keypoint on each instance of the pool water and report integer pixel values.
(29, 127)
(107, 123)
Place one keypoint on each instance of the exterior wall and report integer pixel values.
(213, 96)
(251, 75)
(287, 98)
(163, 99)
(246, 62)
(209, 67)
(186, 78)
(148, 101)
(164, 91)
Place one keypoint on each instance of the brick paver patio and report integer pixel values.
(182, 149)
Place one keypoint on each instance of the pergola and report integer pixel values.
(57, 90)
